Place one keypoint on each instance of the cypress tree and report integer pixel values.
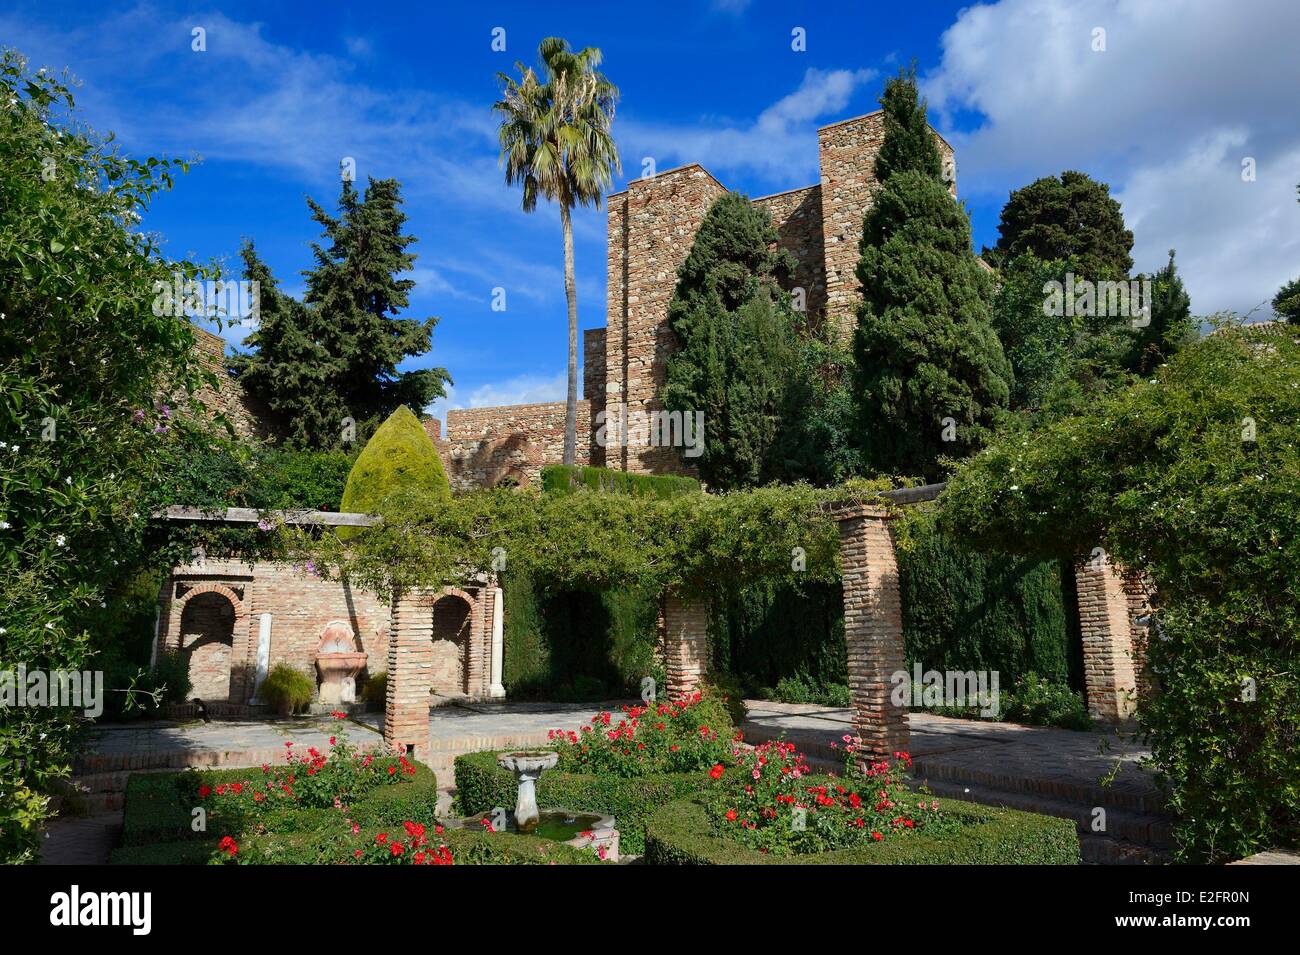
(924, 345)
(735, 330)
(1171, 326)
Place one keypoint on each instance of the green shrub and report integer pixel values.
(568, 478)
(375, 690)
(1193, 479)
(482, 785)
(679, 833)
(400, 456)
(171, 674)
(159, 807)
(1039, 702)
(966, 609)
(286, 689)
(799, 689)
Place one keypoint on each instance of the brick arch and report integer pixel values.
(242, 649)
(212, 587)
(455, 617)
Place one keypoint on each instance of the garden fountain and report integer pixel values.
(338, 662)
(582, 830)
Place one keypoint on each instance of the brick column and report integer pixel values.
(686, 627)
(873, 627)
(1105, 625)
(410, 672)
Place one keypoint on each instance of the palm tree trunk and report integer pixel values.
(571, 294)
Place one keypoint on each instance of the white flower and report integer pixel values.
(61, 541)
(1015, 487)
(68, 481)
(4, 525)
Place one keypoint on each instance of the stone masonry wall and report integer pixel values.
(246, 415)
(797, 216)
(847, 152)
(593, 388)
(301, 608)
(485, 446)
(651, 228)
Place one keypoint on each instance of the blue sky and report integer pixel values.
(283, 92)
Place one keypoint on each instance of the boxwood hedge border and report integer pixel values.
(680, 834)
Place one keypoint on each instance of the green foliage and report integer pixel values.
(679, 833)
(1041, 702)
(92, 379)
(909, 143)
(967, 609)
(1162, 475)
(1070, 216)
(286, 689)
(358, 296)
(1286, 303)
(375, 690)
(482, 785)
(771, 632)
(924, 346)
(798, 689)
(289, 478)
(595, 541)
(735, 330)
(334, 356)
(568, 478)
(1171, 327)
(399, 456)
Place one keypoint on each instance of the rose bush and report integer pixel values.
(692, 734)
(768, 799)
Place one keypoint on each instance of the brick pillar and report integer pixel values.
(873, 627)
(410, 672)
(1105, 625)
(686, 626)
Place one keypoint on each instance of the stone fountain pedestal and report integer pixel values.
(527, 767)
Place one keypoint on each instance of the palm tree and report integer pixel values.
(555, 141)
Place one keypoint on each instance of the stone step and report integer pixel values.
(1087, 794)
(1132, 828)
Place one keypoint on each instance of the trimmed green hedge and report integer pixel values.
(159, 806)
(336, 847)
(482, 785)
(567, 478)
(156, 827)
(679, 834)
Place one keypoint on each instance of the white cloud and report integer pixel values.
(519, 390)
(1183, 92)
(779, 144)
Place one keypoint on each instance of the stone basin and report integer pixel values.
(338, 676)
(581, 830)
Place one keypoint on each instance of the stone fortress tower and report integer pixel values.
(651, 225)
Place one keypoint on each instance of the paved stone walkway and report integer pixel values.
(1092, 768)
(1058, 762)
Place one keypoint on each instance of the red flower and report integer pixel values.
(731, 815)
(717, 771)
(877, 836)
(205, 791)
(397, 848)
(381, 838)
(228, 845)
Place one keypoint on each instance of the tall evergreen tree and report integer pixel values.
(1171, 326)
(924, 345)
(357, 293)
(735, 329)
(1071, 216)
(288, 366)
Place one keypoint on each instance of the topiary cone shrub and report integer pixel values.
(399, 456)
